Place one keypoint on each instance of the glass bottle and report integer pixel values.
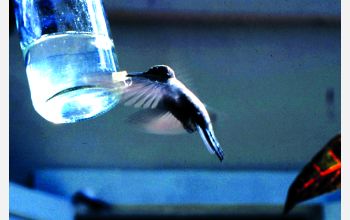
(70, 58)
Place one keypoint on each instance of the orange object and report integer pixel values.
(321, 175)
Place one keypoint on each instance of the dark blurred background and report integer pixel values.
(270, 70)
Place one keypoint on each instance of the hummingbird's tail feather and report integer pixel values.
(210, 142)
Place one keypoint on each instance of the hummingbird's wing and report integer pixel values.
(153, 118)
(320, 175)
(143, 93)
(156, 121)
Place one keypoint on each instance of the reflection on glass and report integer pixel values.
(69, 58)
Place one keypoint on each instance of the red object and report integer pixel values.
(321, 175)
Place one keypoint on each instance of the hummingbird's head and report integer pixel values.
(160, 73)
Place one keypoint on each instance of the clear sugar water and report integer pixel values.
(70, 76)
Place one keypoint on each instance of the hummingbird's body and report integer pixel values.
(172, 107)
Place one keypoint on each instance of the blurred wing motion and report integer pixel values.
(156, 121)
(143, 93)
(154, 117)
(321, 175)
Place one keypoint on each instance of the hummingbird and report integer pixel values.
(169, 107)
